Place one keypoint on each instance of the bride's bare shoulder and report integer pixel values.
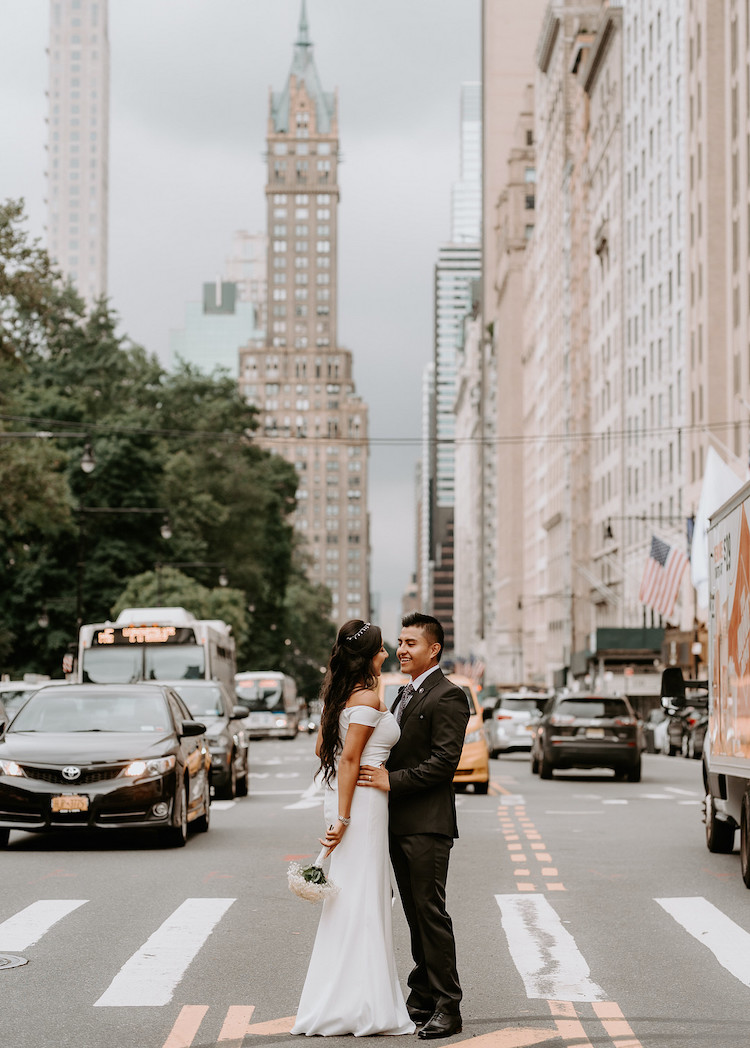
(364, 697)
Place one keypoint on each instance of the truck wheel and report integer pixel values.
(545, 769)
(745, 841)
(719, 834)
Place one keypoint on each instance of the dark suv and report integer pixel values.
(588, 731)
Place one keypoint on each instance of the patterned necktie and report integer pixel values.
(406, 695)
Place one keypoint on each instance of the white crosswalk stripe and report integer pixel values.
(149, 978)
(729, 943)
(28, 926)
(544, 952)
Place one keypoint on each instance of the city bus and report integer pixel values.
(156, 644)
(271, 698)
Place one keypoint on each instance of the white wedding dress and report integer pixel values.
(352, 986)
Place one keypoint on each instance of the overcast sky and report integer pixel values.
(188, 113)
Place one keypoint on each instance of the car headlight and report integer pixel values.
(157, 766)
(11, 768)
(474, 736)
(281, 722)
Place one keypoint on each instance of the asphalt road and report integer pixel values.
(587, 912)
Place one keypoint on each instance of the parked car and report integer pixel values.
(510, 723)
(209, 701)
(105, 756)
(474, 765)
(588, 731)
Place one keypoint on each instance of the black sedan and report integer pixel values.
(588, 731)
(105, 756)
(209, 701)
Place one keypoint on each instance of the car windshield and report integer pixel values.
(260, 695)
(69, 709)
(509, 703)
(203, 700)
(593, 708)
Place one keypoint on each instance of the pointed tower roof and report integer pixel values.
(303, 69)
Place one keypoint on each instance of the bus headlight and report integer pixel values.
(157, 766)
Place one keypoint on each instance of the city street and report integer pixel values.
(587, 912)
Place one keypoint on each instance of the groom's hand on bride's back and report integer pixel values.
(377, 777)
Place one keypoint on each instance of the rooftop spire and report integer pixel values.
(303, 34)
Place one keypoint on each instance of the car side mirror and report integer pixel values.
(239, 712)
(190, 728)
(487, 713)
(673, 688)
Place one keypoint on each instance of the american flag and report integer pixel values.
(662, 576)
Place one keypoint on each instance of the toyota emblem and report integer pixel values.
(71, 772)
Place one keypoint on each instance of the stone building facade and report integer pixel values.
(299, 377)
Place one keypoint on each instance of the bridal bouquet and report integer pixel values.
(309, 882)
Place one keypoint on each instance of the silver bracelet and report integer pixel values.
(344, 821)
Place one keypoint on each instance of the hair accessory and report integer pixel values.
(358, 634)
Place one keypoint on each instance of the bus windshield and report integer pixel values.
(115, 665)
(260, 695)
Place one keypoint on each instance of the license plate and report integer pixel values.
(261, 720)
(70, 802)
(594, 733)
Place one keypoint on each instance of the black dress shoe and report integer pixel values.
(419, 1015)
(440, 1025)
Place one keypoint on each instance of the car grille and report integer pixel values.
(88, 775)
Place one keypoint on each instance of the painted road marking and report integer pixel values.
(614, 1024)
(685, 793)
(312, 797)
(544, 952)
(222, 805)
(28, 926)
(235, 1026)
(149, 978)
(274, 1026)
(569, 1026)
(514, 1037)
(186, 1026)
(729, 943)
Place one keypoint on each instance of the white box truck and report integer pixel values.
(726, 753)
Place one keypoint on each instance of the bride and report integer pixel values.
(351, 985)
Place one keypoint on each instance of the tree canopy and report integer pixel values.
(170, 448)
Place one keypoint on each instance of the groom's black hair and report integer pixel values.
(430, 625)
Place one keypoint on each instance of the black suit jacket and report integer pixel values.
(424, 760)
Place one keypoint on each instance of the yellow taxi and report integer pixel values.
(474, 765)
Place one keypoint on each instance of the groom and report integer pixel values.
(433, 714)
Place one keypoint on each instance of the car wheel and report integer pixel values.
(4, 838)
(634, 774)
(229, 791)
(745, 840)
(175, 836)
(481, 787)
(242, 782)
(494, 754)
(719, 833)
(545, 769)
(203, 822)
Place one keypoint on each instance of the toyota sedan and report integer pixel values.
(105, 756)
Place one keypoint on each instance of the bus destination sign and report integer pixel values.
(114, 635)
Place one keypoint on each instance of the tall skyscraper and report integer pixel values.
(78, 143)
(301, 380)
(458, 266)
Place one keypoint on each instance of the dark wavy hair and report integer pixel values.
(349, 669)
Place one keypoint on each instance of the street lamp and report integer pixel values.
(88, 462)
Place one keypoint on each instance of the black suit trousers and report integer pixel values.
(420, 863)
